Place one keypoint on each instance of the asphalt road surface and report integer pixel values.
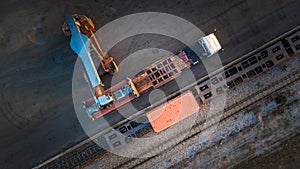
(37, 115)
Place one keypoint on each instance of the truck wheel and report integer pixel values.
(109, 105)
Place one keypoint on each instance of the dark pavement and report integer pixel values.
(36, 64)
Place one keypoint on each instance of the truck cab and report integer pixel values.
(210, 45)
(204, 47)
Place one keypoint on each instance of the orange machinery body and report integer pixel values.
(175, 110)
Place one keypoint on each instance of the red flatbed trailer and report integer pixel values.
(121, 93)
(161, 72)
(142, 82)
(116, 105)
(153, 76)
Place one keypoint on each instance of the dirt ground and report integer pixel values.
(36, 64)
(285, 156)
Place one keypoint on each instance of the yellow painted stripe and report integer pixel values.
(133, 87)
(116, 66)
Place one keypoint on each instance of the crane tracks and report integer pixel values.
(8, 111)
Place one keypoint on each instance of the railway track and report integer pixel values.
(89, 149)
(76, 158)
(229, 112)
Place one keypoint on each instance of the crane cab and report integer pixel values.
(84, 23)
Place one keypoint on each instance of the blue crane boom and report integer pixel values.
(81, 46)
